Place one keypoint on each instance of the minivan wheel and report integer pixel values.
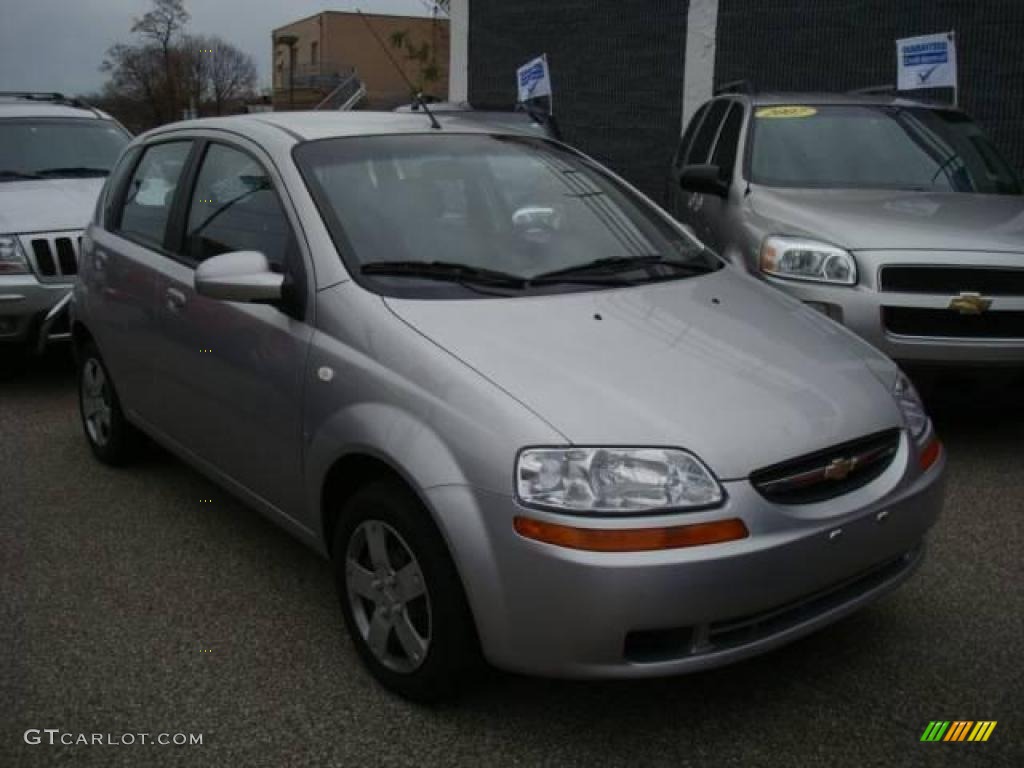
(110, 436)
(401, 596)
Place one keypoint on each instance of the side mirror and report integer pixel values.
(239, 276)
(704, 178)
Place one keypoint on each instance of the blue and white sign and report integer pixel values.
(928, 61)
(534, 79)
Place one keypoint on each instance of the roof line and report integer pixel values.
(351, 13)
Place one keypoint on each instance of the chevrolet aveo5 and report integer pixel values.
(528, 417)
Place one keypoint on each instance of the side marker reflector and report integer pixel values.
(631, 539)
(931, 453)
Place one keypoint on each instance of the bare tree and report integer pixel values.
(136, 75)
(232, 73)
(161, 25)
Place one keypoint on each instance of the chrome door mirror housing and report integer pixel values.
(239, 276)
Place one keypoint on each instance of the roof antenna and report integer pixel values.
(417, 95)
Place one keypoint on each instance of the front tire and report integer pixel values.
(112, 439)
(401, 597)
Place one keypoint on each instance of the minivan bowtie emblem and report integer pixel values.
(968, 303)
(839, 469)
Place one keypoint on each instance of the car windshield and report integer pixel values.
(881, 147)
(59, 148)
(518, 211)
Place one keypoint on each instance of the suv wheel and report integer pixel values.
(401, 597)
(110, 436)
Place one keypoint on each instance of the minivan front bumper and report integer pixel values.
(547, 610)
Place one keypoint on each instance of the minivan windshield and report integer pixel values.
(436, 215)
(52, 148)
(876, 147)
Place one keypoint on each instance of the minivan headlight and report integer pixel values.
(911, 407)
(12, 256)
(799, 259)
(615, 480)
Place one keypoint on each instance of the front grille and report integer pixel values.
(825, 474)
(56, 255)
(992, 281)
(945, 323)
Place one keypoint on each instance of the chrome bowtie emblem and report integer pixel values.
(968, 303)
(839, 469)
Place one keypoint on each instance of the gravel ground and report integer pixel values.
(130, 606)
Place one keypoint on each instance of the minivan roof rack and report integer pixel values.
(873, 89)
(736, 86)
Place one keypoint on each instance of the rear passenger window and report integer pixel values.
(151, 190)
(115, 182)
(701, 147)
(728, 142)
(235, 208)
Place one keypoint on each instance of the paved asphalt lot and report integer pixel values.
(114, 581)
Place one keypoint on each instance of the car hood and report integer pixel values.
(49, 205)
(722, 365)
(895, 220)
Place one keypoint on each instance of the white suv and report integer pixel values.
(55, 154)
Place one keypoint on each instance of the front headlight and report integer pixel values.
(12, 257)
(614, 480)
(798, 259)
(911, 407)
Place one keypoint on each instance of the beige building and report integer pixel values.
(338, 59)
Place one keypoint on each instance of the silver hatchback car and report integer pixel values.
(529, 418)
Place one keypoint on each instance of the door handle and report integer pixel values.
(99, 260)
(175, 299)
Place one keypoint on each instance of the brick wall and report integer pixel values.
(616, 69)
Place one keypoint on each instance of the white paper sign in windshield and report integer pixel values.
(928, 61)
(534, 79)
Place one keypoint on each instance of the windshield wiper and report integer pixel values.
(17, 175)
(73, 170)
(616, 265)
(444, 270)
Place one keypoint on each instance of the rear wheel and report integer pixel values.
(401, 596)
(111, 438)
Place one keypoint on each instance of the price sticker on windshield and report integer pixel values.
(789, 111)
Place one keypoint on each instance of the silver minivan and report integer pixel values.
(529, 418)
(899, 219)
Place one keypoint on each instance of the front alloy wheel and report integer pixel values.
(387, 596)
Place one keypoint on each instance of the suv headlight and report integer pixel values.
(911, 407)
(615, 480)
(799, 259)
(12, 257)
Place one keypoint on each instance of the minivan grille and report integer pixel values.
(56, 256)
(950, 281)
(943, 323)
(829, 473)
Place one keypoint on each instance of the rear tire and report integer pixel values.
(401, 597)
(112, 439)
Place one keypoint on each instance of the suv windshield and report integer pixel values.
(866, 146)
(429, 215)
(49, 148)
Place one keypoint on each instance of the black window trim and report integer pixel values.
(718, 129)
(734, 104)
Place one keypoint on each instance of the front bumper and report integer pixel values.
(24, 305)
(558, 612)
(862, 309)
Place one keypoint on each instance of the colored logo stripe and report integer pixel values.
(958, 730)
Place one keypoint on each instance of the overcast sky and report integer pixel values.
(58, 45)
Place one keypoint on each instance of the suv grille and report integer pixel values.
(56, 255)
(829, 473)
(944, 323)
(992, 281)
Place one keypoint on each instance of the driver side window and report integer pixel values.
(234, 208)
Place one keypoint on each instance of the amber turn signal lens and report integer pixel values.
(931, 453)
(631, 539)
